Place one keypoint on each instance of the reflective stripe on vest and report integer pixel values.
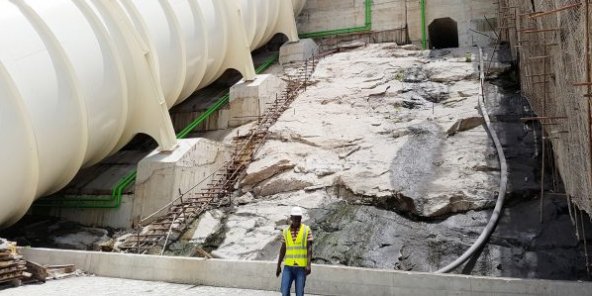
(296, 252)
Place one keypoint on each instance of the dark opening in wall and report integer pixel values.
(443, 33)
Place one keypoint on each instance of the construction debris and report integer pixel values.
(12, 265)
(16, 271)
(38, 272)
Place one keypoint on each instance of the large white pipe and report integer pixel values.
(80, 78)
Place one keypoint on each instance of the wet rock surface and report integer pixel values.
(520, 246)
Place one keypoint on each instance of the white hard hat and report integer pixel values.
(296, 211)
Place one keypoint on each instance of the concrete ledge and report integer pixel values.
(325, 280)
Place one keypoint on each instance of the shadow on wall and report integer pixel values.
(443, 33)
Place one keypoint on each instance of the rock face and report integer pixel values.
(388, 155)
(371, 237)
(253, 231)
(376, 128)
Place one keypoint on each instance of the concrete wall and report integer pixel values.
(321, 15)
(469, 16)
(250, 99)
(325, 280)
(121, 217)
(160, 177)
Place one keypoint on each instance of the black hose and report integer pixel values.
(484, 236)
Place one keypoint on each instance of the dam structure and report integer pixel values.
(431, 147)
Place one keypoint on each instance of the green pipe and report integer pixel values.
(90, 201)
(424, 37)
(114, 200)
(366, 28)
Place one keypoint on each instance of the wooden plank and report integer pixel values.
(15, 281)
(38, 271)
(67, 268)
(12, 269)
(5, 264)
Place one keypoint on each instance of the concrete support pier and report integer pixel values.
(293, 52)
(250, 99)
(161, 175)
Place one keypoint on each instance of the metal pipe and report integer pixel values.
(80, 78)
(424, 35)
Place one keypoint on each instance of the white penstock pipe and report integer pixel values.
(80, 78)
(484, 236)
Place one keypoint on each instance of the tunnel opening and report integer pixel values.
(443, 33)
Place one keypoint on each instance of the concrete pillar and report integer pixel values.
(300, 51)
(162, 174)
(250, 99)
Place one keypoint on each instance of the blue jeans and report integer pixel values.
(291, 274)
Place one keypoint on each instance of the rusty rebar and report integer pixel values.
(539, 14)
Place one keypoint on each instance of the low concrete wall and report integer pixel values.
(325, 280)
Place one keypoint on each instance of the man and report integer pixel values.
(297, 251)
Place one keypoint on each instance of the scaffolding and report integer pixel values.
(550, 41)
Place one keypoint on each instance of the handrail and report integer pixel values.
(113, 201)
(366, 28)
(484, 236)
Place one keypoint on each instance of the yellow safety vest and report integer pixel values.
(296, 252)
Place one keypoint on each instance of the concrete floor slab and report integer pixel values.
(102, 286)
